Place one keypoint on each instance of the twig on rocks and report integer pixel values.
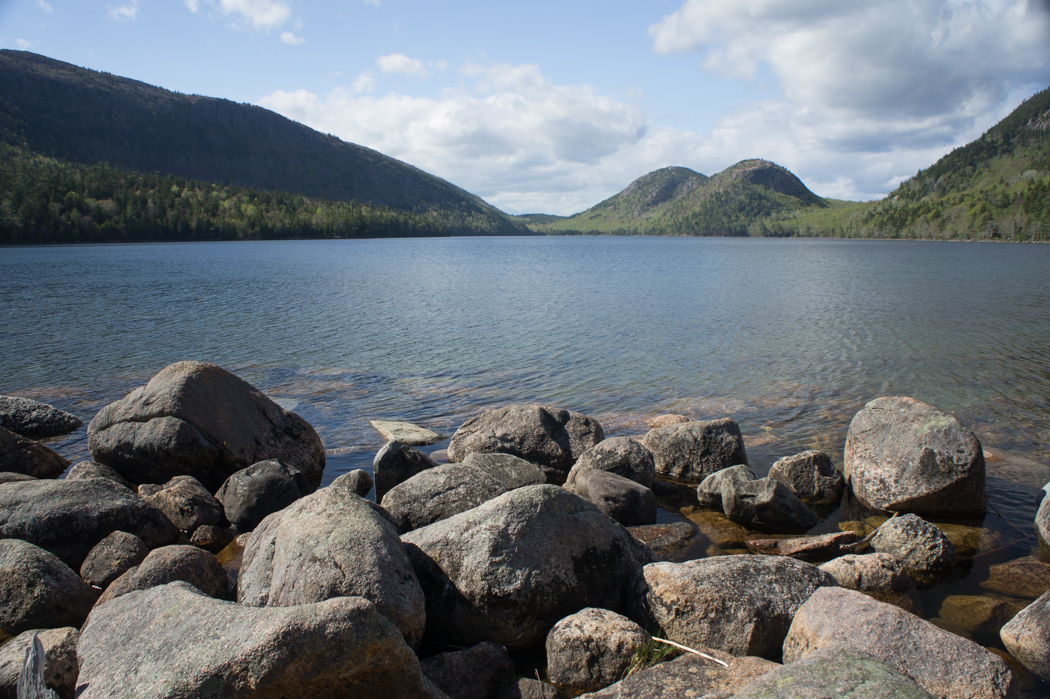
(705, 656)
(857, 544)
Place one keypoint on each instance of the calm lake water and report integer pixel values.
(789, 337)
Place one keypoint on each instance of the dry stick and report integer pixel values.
(705, 656)
(857, 544)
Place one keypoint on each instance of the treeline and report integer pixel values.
(43, 200)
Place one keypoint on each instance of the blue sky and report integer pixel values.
(553, 106)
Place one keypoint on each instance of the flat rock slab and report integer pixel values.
(832, 673)
(945, 665)
(405, 432)
(173, 641)
(806, 548)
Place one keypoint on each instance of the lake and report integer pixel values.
(788, 337)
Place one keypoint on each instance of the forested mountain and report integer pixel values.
(741, 200)
(77, 117)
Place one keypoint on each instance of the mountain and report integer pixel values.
(75, 115)
(741, 200)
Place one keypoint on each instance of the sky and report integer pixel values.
(551, 107)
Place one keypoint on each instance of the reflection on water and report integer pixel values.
(788, 337)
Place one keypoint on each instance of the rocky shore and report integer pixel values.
(196, 556)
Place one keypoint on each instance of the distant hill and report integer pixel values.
(80, 116)
(741, 200)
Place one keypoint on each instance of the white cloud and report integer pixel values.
(871, 91)
(261, 14)
(44, 5)
(24, 45)
(192, 5)
(364, 82)
(517, 140)
(400, 63)
(290, 38)
(124, 13)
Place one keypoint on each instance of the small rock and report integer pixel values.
(549, 437)
(168, 564)
(249, 495)
(35, 420)
(358, 481)
(1026, 577)
(187, 503)
(211, 538)
(692, 451)
(528, 688)
(38, 591)
(689, 676)
(1027, 637)
(112, 557)
(19, 454)
(907, 456)
(872, 572)
(923, 548)
(60, 660)
(804, 548)
(174, 641)
(766, 502)
(395, 463)
(620, 455)
(623, 499)
(833, 673)
(405, 432)
(89, 469)
(741, 605)
(591, 649)
(709, 492)
(943, 664)
(477, 672)
(811, 476)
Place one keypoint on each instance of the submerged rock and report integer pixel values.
(35, 420)
(509, 569)
(1026, 577)
(19, 454)
(943, 664)
(405, 432)
(174, 641)
(692, 451)
(907, 456)
(197, 419)
(804, 548)
(549, 437)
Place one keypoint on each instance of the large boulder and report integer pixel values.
(68, 518)
(741, 605)
(620, 455)
(60, 660)
(35, 420)
(811, 476)
(186, 502)
(168, 564)
(907, 456)
(197, 419)
(438, 493)
(1027, 637)
(38, 591)
(766, 502)
(921, 546)
(692, 451)
(19, 454)
(591, 649)
(330, 544)
(112, 557)
(174, 641)
(259, 490)
(395, 463)
(833, 673)
(628, 502)
(551, 438)
(943, 664)
(509, 569)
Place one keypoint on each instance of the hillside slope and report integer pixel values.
(82, 116)
(741, 200)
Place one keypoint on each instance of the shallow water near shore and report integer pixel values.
(788, 337)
